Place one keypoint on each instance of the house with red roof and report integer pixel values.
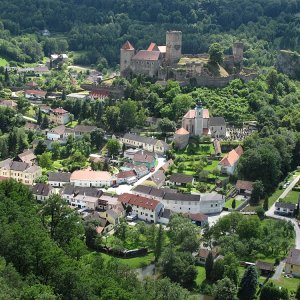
(35, 94)
(144, 208)
(59, 116)
(229, 162)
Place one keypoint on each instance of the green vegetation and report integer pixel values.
(292, 196)
(3, 62)
(228, 203)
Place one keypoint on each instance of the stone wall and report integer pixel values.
(288, 62)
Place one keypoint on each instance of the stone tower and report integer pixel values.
(174, 45)
(238, 52)
(126, 53)
(198, 119)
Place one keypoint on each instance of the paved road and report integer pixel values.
(125, 188)
(214, 218)
(278, 270)
(270, 213)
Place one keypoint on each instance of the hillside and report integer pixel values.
(97, 28)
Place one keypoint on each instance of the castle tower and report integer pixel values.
(173, 46)
(238, 52)
(126, 53)
(198, 119)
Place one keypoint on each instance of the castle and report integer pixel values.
(167, 62)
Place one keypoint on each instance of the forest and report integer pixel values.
(98, 28)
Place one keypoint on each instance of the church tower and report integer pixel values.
(198, 119)
(126, 54)
(173, 46)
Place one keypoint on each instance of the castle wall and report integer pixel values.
(149, 68)
(173, 46)
(125, 59)
(288, 62)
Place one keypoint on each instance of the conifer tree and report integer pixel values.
(248, 284)
(209, 265)
(158, 243)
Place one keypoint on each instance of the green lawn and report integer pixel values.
(212, 166)
(133, 263)
(275, 196)
(72, 124)
(290, 283)
(3, 62)
(228, 203)
(200, 274)
(292, 196)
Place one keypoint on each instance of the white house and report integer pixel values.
(89, 178)
(59, 116)
(77, 96)
(126, 177)
(58, 179)
(42, 191)
(183, 203)
(229, 162)
(59, 133)
(82, 197)
(145, 209)
(285, 208)
(146, 143)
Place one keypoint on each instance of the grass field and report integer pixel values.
(290, 283)
(292, 196)
(228, 203)
(133, 263)
(200, 274)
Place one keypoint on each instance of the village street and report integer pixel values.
(271, 212)
(125, 188)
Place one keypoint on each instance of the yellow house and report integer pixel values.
(20, 171)
(292, 265)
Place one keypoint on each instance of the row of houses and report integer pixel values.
(62, 132)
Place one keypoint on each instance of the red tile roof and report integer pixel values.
(152, 47)
(59, 111)
(91, 175)
(36, 92)
(244, 185)
(232, 157)
(127, 46)
(99, 93)
(192, 113)
(138, 201)
(182, 131)
(126, 174)
(147, 55)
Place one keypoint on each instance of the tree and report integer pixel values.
(233, 204)
(62, 222)
(159, 243)
(97, 138)
(257, 192)
(215, 53)
(183, 233)
(270, 291)
(266, 204)
(39, 117)
(38, 291)
(225, 289)
(180, 105)
(113, 147)
(166, 125)
(248, 284)
(218, 270)
(45, 160)
(209, 264)
(178, 266)
(40, 148)
(45, 122)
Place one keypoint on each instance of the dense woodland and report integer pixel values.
(100, 27)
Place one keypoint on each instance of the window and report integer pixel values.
(216, 205)
(211, 205)
(151, 216)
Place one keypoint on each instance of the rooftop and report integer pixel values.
(147, 55)
(294, 257)
(59, 176)
(232, 157)
(88, 175)
(181, 178)
(138, 201)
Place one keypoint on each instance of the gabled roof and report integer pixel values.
(264, 266)
(91, 175)
(58, 129)
(181, 178)
(232, 157)
(203, 253)
(41, 189)
(126, 174)
(158, 177)
(153, 47)
(127, 46)
(167, 165)
(286, 205)
(84, 128)
(244, 185)
(36, 93)
(59, 111)
(59, 176)
(8, 103)
(144, 139)
(217, 121)
(27, 156)
(147, 55)
(140, 201)
(191, 114)
(143, 157)
(294, 257)
(198, 217)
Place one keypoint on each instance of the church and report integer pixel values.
(197, 122)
